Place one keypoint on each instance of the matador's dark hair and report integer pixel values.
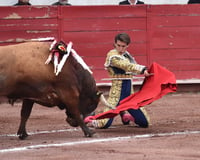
(124, 37)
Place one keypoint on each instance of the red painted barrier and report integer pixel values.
(166, 34)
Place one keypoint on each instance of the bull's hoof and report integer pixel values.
(23, 136)
(90, 133)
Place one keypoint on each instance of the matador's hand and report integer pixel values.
(147, 74)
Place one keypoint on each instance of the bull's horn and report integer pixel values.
(99, 93)
(103, 100)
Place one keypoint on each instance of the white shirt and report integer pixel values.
(133, 3)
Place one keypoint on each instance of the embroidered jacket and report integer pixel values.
(121, 69)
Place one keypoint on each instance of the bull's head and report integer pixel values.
(94, 101)
(86, 107)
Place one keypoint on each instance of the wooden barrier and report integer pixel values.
(166, 34)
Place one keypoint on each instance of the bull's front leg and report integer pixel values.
(71, 100)
(75, 120)
(26, 109)
(88, 132)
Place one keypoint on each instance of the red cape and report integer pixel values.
(154, 87)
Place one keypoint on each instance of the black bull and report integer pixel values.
(24, 75)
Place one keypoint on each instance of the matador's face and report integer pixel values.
(120, 46)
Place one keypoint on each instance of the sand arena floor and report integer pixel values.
(174, 134)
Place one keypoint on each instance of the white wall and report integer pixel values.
(92, 2)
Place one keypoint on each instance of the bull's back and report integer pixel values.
(23, 62)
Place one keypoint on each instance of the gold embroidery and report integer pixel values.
(145, 114)
(115, 59)
(115, 92)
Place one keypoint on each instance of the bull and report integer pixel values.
(24, 75)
